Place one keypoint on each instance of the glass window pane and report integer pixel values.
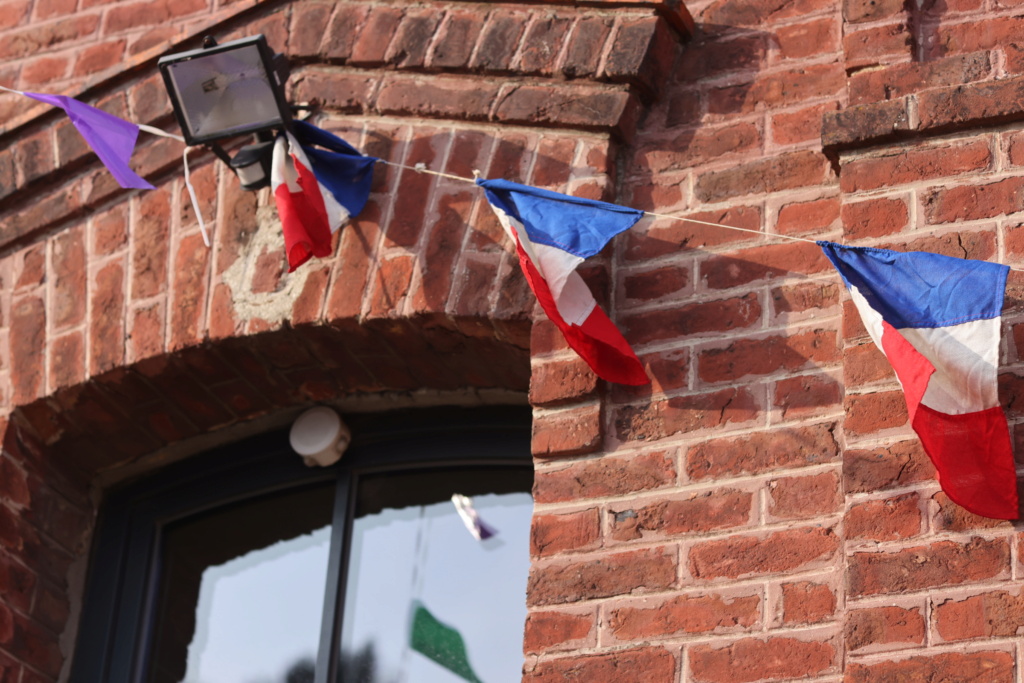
(242, 591)
(425, 601)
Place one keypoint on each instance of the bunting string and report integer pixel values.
(421, 168)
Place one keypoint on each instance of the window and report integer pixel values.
(244, 566)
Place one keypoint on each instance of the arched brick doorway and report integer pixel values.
(132, 345)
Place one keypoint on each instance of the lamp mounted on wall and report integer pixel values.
(223, 91)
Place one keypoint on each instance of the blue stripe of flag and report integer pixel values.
(919, 289)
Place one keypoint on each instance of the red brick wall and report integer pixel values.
(760, 512)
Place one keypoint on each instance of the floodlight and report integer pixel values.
(221, 91)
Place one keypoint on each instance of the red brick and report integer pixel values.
(46, 37)
(96, 58)
(747, 357)
(554, 534)
(437, 97)
(554, 162)
(874, 218)
(578, 106)
(510, 159)
(703, 512)
(412, 39)
(344, 30)
(799, 397)
(995, 614)
(640, 571)
(866, 124)
(499, 40)
(542, 44)
(659, 283)
(808, 39)
(762, 452)
(68, 267)
(455, 41)
(779, 551)
(758, 263)
(344, 92)
(390, 285)
(643, 51)
(878, 627)
(974, 202)
(581, 57)
(147, 332)
(624, 666)
(801, 218)
(877, 469)
(703, 317)
(983, 34)
(803, 125)
(805, 602)
(552, 630)
(13, 13)
(567, 432)
(855, 11)
(669, 237)
(942, 563)
(67, 361)
(871, 45)
(685, 614)
(657, 419)
(106, 326)
(150, 245)
(754, 659)
(33, 155)
(896, 80)
(802, 497)
(307, 30)
(783, 172)
(44, 70)
(977, 244)
(27, 339)
(870, 413)
(372, 42)
(915, 164)
(189, 291)
(758, 13)
(952, 517)
(777, 90)
(804, 297)
(561, 381)
(885, 520)
(986, 666)
(605, 476)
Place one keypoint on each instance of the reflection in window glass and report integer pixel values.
(243, 591)
(420, 563)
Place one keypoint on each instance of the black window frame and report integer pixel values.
(115, 628)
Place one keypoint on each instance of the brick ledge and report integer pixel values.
(928, 113)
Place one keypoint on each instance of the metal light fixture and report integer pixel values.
(222, 91)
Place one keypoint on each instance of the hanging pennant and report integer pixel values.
(111, 138)
(937, 320)
(316, 191)
(553, 234)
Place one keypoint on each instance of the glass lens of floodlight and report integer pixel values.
(225, 93)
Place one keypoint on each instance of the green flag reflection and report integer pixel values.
(440, 643)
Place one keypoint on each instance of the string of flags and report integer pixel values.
(936, 318)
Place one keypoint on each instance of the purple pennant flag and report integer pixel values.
(112, 139)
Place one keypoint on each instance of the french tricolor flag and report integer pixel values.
(553, 234)
(316, 190)
(937, 320)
